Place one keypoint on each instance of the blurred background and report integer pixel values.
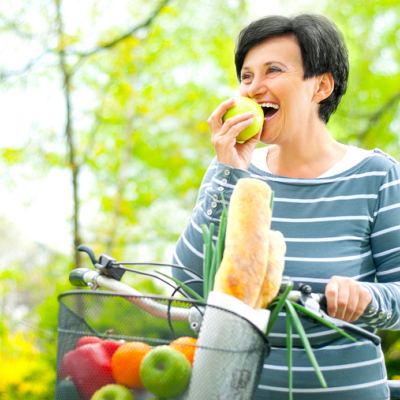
(104, 139)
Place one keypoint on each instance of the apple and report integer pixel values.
(165, 372)
(113, 392)
(242, 105)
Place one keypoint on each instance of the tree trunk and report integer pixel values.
(69, 133)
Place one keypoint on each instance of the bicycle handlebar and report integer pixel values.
(312, 301)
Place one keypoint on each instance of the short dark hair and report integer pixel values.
(322, 46)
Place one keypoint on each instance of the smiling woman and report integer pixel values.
(336, 205)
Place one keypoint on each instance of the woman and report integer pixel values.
(337, 206)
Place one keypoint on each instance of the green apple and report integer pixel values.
(113, 392)
(165, 372)
(242, 105)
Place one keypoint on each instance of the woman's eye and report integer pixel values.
(245, 77)
(274, 69)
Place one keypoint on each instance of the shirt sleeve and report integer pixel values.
(217, 186)
(384, 311)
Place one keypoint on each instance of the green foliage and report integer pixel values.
(369, 113)
(148, 144)
(28, 341)
(391, 348)
(27, 375)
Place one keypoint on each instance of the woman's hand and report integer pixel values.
(224, 134)
(347, 299)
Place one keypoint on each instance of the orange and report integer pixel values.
(185, 345)
(125, 363)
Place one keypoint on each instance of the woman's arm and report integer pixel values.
(219, 181)
(230, 164)
(376, 303)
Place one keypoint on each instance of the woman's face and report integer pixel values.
(272, 75)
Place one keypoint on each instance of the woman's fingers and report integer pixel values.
(224, 135)
(215, 120)
(346, 299)
(233, 126)
(331, 294)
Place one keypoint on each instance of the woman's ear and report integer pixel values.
(324, 87)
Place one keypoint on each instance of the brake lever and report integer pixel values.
(314, 306)
(106, 265)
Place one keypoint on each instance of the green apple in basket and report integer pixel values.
(113, 392)
(165, 372)
(242, 105)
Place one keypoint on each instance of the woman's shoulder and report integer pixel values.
(378, 159)
(384, 157)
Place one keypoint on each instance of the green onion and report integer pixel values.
(289, 344)
(323, 321)
(276, 307)
(213, 252)
(271, 203)
(306, 344)
(208, 256)
(184, 287)
(220, 245)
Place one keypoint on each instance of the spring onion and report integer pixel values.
(306, 344)
(183, 286)
(289, 351)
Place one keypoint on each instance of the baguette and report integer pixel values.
(244, 264)
(276, 263)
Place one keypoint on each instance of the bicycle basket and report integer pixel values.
(228, 355)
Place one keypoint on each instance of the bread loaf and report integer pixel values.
(273, 277)
(245, 261)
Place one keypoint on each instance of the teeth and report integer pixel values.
(271, 105)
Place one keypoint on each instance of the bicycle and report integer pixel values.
(231, 369)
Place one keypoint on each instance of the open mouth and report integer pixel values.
(270, 109)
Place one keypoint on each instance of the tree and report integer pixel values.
(131, 96)
(147, 94)
(369, 114)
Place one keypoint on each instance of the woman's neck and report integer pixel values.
(305, 157)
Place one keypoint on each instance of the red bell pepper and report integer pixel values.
(89, 367)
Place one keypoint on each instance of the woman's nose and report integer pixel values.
(256, 88)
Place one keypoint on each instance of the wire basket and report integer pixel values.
(228, 351)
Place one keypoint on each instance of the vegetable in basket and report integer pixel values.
(88, 367)
(66, 390)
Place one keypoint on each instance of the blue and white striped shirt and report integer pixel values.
(347, 225)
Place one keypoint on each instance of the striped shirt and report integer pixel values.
(347, 225)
